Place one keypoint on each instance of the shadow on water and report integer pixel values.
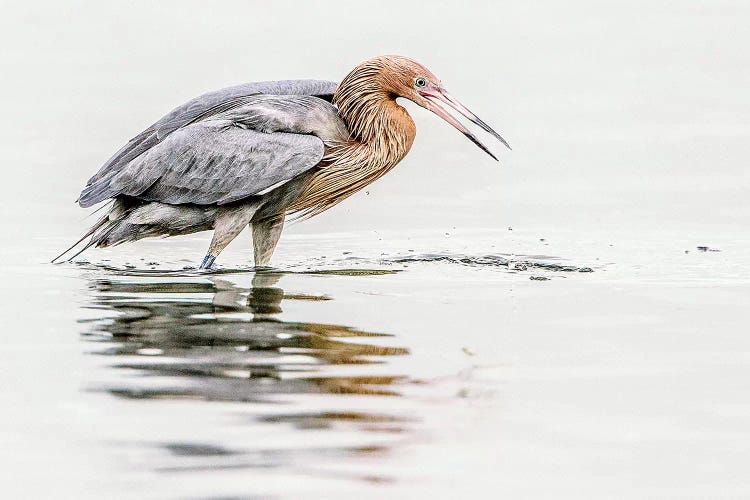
(304, 397)
(209, 340)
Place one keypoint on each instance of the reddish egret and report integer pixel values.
(256, 153)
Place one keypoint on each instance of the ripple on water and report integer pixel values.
(501, 261)
(356, 266)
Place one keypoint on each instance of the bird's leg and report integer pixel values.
(266, 235)
(208, 261)
(229, 223)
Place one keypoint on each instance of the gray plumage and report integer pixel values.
(199, 152)
(216, 162)
(211, 162)
(204, 106)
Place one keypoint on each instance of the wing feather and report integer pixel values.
(213, 162)
(203, 107)
(232, 150)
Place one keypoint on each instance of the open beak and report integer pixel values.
(433, 95)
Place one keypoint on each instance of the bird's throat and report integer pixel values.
(382, 132)
(376, 121)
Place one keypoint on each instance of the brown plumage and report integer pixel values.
(254, 153)
(382, 131)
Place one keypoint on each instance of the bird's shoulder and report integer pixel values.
(220, 100)
(298, 114)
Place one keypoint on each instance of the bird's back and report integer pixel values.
(206, 105)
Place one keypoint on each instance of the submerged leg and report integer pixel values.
(266, 235)
(229, 223)
(208, 261)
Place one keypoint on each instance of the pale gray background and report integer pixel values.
(636, 108)
(630, 125)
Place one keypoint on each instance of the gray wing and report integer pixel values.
(230, 155)
(215, 162)
(204, 106)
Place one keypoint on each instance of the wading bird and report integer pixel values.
(255, 153)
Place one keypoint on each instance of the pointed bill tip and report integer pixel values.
(442, 95)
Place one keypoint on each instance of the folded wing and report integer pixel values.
(221, 149)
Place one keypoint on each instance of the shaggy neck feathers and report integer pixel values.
(382, 132)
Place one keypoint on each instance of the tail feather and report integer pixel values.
(98, 232)
(91, 231)
(131, 220)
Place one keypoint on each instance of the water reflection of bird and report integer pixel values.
(232, 347)
(255, 153)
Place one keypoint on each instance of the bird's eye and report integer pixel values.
(420, 82)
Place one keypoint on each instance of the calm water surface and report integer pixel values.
(545, 328)
(409, 372)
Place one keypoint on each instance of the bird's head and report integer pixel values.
(404, 77)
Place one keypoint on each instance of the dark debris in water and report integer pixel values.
(353, 272)
(127, 287)
(197, 449)
(184, 271)
(188, 271)
(491, 261)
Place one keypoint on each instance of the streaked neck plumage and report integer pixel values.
(371, 113)
(382, 133)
